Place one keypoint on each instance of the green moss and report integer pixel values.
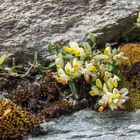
(134, 102)
(134, 94)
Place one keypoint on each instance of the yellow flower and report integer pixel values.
(73, 51)
(110, 101)
(115, 81)
(59, 79)
(101, 108)
(75, 65)
(107, 51)
(118, 96)
(105, 90)
(77, 53)
(102, 68)
(68, 68)
(110, 84)
(93, 68)
(105, 78)
(59, 66)
(67, 49)
(59, 62)
(92, 93)
(98, 83)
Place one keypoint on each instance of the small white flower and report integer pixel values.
(114, 99)
(68, 68)
(105, 89)
(95, 91)
(60, 71)
(82, 53)
(59, 63)
(110, 84)
(74, 45)
(102, 68)
(98, 83)
(107, 51)
(115, 81)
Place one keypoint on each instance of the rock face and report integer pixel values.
(28, 25)
(90, 125)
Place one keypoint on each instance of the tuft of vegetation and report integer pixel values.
(132, 51)
(33, 97)
(99, 69)
(15, 123)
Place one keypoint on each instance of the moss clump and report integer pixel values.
(132, 51)
(134, 94)
(56, 109)
(132, 74)
(33, 97)
(15, 123)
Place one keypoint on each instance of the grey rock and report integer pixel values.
(28, 25)
(90, 125)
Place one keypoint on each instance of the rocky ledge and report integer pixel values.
(28, 25)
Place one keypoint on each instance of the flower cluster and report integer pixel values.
(98, 68)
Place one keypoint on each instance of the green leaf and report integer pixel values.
(50, 47)
(20, 66)
(2, 58)
(72, 87)
(138, 19)
(107, 45)
(39, 76)
(87, 48)
(68, 57)
(109, 67)
(52, 64)
(91, 37)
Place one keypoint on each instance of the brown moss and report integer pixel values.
(33, 97)
(132, 51)
(56, 109)
(15, 123)
(132, 73)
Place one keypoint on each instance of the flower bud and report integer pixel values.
(98, 83)
(68, 68)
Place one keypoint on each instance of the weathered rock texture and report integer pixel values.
(28, 25)
(89, 125)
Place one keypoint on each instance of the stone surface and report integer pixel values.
(28, 25)
(90, 125)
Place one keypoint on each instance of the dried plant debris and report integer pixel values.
(33, 97)
(15, 123)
